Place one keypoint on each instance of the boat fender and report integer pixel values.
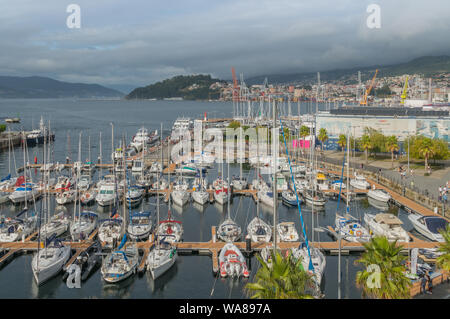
(358, 233)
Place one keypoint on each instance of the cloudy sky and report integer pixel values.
(138, 42)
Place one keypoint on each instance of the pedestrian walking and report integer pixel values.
(430, 284)
(445, 198)
(423, 285)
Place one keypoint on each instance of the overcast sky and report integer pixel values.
(138, 42)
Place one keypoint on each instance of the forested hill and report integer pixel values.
(190, 87)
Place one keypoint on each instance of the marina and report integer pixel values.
(197, 243)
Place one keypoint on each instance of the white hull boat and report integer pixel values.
(232, 262)
(259, 230)
(386, 225)
(429, 226)
(49, 262)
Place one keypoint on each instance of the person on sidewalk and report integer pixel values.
(430, 284)
(423, 284)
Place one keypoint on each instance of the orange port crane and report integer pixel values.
(366, 94)
(235, 86)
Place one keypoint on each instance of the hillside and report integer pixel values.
(191, 87)
(43, 87)
(428, 66)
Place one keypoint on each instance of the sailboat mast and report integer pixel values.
(274, 172)
(348, 173)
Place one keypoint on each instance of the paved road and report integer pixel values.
(441, 291)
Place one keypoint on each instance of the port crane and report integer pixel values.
(405, 88)
(366, 94)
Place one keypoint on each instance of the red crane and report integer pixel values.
(235, 86)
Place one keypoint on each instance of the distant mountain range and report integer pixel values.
(427, 65)
(43, 87)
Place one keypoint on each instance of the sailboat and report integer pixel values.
(49, 261)
(199, 194)
(163, 255)
(348, 226)
(317, 258)
(17, 228)
(121, 263)
(229, 230)
(169, 230)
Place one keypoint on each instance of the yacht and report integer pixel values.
(221, 196)
(180, 197)
(359, 182)
(379, 195)
(106, 194)
(289, 198)
(318, 261)
(429, 226)
(140, 226)
(18, 228)
(316, 199)
(350, 229)
(386, 225)
(83, 225)
(24, 192)
(229, 231)
(286, 232)
(58, 225)
(170, 230)
(66, 197)
(259, 230)
(120, 264)
(134, 196)
(161, 258)
(49, 261)
(110, 232)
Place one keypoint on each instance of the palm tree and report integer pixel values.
(284, 279)
(443, 261)
(426, 149)
(392, 146)
(366, 144)
(323, 136)
(304, 132)
(393, 283)
(342, 142)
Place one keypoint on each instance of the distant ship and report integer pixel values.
(36, 137)
(12, 120)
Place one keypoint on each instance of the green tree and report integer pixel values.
(392, 146)
(342, 141)
(2, 128)
(393, 283)
(323, 136)
(425, 149)
(234, 124)
(304, 132)
(366, 145)
(284, 279)
(443, 261)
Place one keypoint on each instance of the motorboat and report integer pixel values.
(138, 166)
(88, 197)
(379, 195)
(337, 185)
(49, 261)
(57, 225)
(286, 232)
(429, 226)
(134, 196)
(220, 184)
(144, 180)
(314, 198)
(110, 232)
(17, 228)
(229, 231)
(181, 184)
(317, 258)
(322, 182)
(359, 182)
(232, 262)
(289, 198)
(350, 229)
(120, 264)
(106, 195)
(140, 226)
(64, 183)
(386, 225)
(24, 192)
(84, 183)
(282, 184)
(83, 225)
(142, 137)
(66, 197)
(259, 230)
(88, 261)
(161, 258)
